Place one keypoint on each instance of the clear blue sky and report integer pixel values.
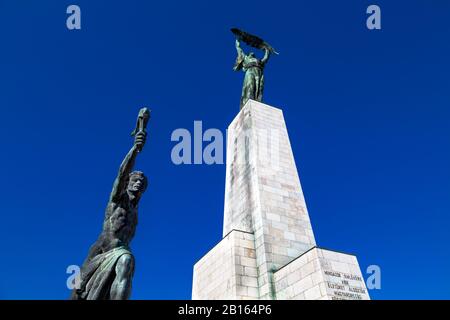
(367, 113)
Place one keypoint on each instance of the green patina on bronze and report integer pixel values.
(108, 270)
(253, 87)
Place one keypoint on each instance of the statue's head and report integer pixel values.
(252, 54)
(137, 183)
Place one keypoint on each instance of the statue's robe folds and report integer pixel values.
(253, 86)
(98, 274)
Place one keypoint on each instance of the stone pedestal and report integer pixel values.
(268, 245)
(321, 274)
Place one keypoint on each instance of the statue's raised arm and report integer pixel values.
(266, 56)
(140, 135)
(240, 56)
(121, 182)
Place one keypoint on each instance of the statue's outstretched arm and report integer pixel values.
(266, 56)
(240, 57)
(120, 184)
(239, 50)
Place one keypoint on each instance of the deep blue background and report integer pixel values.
(367, 114)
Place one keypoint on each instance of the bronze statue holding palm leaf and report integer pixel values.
(253, 67)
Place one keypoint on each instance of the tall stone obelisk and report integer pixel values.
(268, 250)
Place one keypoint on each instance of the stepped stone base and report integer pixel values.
(268, 250)
(321, 274)
(229, 272)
